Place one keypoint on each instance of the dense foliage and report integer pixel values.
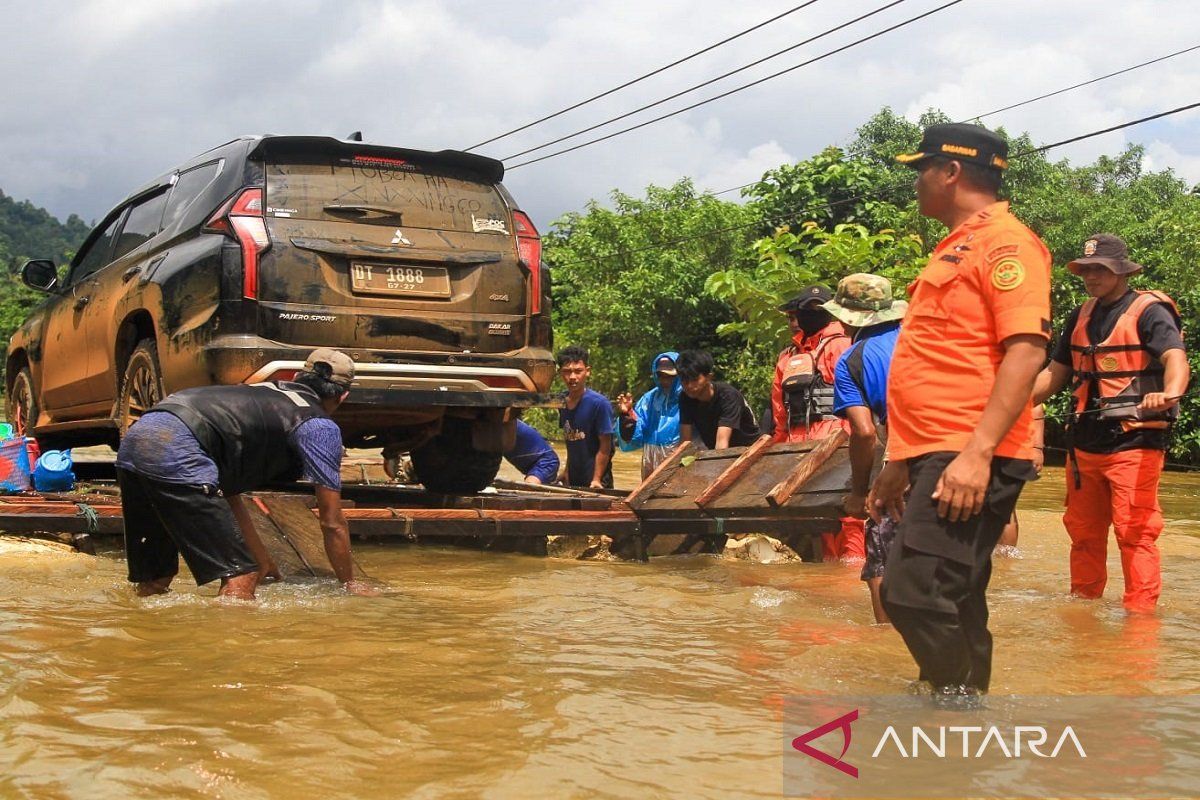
(27, 231)
(853, 210)
(678, 269)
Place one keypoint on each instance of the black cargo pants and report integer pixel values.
(935, 583)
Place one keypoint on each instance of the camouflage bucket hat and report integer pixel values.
(862, 300)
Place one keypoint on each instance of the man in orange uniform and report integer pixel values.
(959, 409)
(1124, 350)
(802, 394)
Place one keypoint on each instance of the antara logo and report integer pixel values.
(843, 722)
(938, 742)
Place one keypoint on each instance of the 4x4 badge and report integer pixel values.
(400, 238)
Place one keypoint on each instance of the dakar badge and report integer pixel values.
(1008, 274)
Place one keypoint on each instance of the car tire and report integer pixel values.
(141, 386)
(448, 464)
(23, 406)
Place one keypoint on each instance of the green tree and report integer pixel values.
(787, 262)
(629, 280)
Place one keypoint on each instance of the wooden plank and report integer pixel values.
(661, 474)
(299, 525)
(815, 459)
(734, 471)
(287, 559)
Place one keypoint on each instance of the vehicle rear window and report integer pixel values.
(141, 225)
(395, 194)
(187, 188)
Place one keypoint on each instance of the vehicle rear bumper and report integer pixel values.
(398, 379)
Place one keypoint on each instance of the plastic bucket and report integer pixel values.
(53, 472)
(14, 465)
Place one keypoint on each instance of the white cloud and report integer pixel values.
(101, 96)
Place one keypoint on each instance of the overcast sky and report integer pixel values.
(102, 95)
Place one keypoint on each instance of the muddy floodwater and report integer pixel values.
(507, 676)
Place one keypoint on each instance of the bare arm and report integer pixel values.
(961, 489)
(685, 432)
(337, 539)
(603, 459)
(266, 566)
(1050, 381)
(1175, 382)
(724, 434)
(862, 458)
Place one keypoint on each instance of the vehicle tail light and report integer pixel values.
(242, 218)
(529, 250)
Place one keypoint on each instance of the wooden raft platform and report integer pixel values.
(784, 490)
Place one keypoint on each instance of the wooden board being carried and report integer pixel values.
(805, 480)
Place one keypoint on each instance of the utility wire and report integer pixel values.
(1036, 99)
(882, 194)
(651, 74)
(1087, 82)
(1130, 124)
(843, 48)
(708, 82)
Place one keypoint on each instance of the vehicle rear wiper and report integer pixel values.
(364, 210)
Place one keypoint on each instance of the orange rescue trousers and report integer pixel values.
(847, 544)
(1121, 490)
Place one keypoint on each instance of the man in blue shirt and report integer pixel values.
(864, 305)
(652, 424)
(184, 465)
(586, 421)
(533, 455)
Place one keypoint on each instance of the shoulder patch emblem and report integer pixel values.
(1008, 274)
(997, 253)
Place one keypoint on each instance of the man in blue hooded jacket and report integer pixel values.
(653, 423)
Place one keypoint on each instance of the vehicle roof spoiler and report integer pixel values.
(488, 168)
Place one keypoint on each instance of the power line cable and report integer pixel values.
(1035, 99)
(1087, 82)
(1130, 124)
(708, 82)
(843, 48)
(882, 194)
(641, 78)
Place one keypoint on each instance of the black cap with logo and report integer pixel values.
(961, 142)
(817, 293)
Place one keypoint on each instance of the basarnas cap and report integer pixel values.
(961, 142)
(1106, 250)
(341, 366)
(816, 293)
(666, 366)
(863, 300)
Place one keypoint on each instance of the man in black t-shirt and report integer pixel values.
(713, 409)
(1122, 352)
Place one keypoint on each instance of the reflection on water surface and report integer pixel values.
(507, 676)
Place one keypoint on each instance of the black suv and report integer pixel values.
(231, 268)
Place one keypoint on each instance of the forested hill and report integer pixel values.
(27, 231)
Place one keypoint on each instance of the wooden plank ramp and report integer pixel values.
(780, 489)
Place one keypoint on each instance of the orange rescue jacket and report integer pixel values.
(1121, 367)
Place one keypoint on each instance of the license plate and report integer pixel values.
(399, 279)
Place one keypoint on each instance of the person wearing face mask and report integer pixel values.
(802, 392)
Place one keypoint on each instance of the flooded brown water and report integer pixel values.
(489, 675)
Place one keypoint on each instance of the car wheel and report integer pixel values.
(142, 385)
(448, 464)
(23, 408)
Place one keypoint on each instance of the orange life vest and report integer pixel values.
(806, 395)
(1121, 368)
